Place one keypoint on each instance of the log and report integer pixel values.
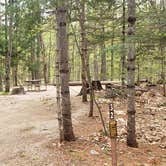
(78, 83)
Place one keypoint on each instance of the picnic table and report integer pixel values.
(33, 84)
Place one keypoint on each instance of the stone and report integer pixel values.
(122, 164)
(122, 132)
(162, 146)
(93, 152)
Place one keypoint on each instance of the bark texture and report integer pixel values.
(81, 6)
(8, 33)
(103, 56)
(162, 47)
(131, 133)
(96, 67)
(112, 52)
(68, 134)
(57, 71)
(85, 60)
(15, 74)
(123, 59)
(1, 84)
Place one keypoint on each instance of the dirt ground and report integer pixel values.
(29, 121)
(29, 134)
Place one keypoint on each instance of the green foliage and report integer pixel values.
(33, 66)
(31, 19)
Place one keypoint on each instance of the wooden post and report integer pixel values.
(113, 134)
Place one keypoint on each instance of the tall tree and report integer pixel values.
(95, 64)
(85, 57)
(68, 134)
(8, 34)
(81, 10)
(112, 43)
(1, 79)
(131, 133)
(103, 54)
(1, 69)
(123, 56)
(57, 71)
(162, 30)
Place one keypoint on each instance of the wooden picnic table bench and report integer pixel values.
(33, 83)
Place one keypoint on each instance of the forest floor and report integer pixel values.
(29, 131)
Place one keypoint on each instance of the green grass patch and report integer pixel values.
(4, 93)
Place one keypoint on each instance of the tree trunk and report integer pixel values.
(138, 73)
(112, 44)
(85, 59)
(103, 57)
(68, 134)
(9, 44)
(72, 62)
(32, 61)
(150, 79)
(78, 69)
(49, 59)
(112, 61)
(96, 68)
(57, 71)
(43, 51)
(123, 58)
(131, 133)
(38, 43)
(15, 71)
(163, 61)
(1, 75)
(91, 89)
(162, 29)
(38, 50)
(81, 5)
(1, 81)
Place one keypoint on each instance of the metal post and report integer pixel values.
(113, 134)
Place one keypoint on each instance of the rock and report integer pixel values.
(153, 112)
(152, 128)
(162, 146)
(120, 112)
(17, 90)
(122, 164)
(93, 152)
(139, 135)
(122, 132)
(121, 122)
(138, 93)
(152, 138)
